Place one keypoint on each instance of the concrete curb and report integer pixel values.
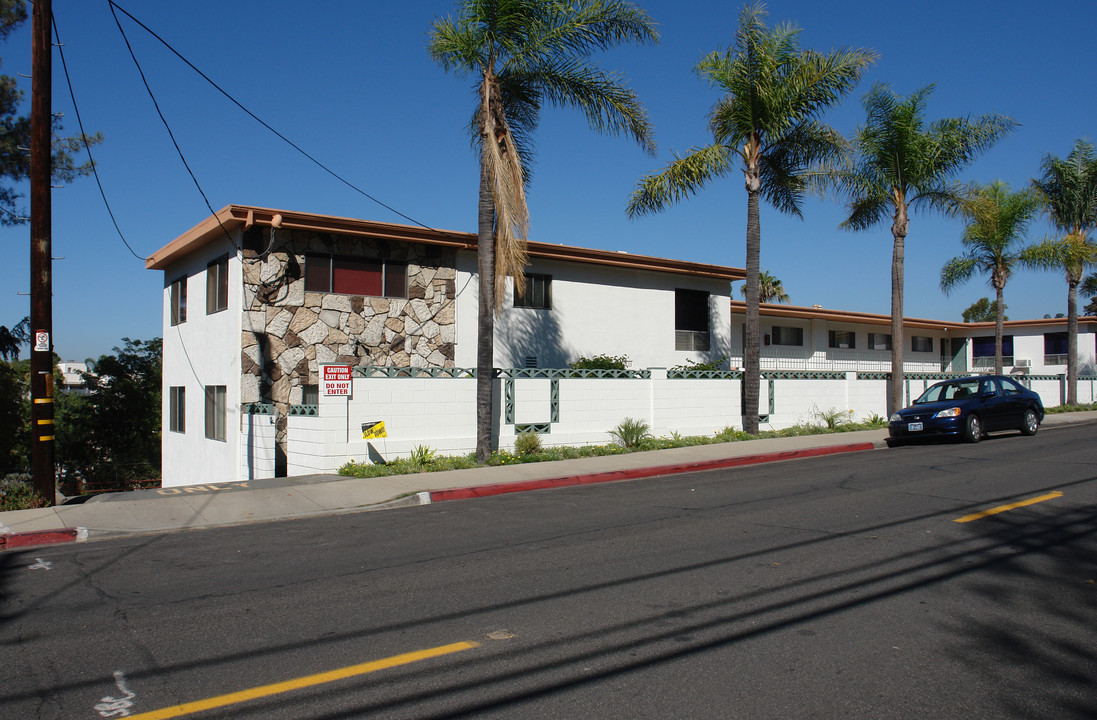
(33, 538)
(466, 493)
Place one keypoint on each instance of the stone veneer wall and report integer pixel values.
(288, 333)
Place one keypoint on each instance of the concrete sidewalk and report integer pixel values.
(219, 504)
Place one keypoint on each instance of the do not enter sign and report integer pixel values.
(336, 380)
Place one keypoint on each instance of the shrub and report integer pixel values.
(17, 493)
(601, 362)
(631, 433)
(422, 455)
(717, 364)
(833, 418)
(527, 443)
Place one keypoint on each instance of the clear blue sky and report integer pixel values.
(351, 82)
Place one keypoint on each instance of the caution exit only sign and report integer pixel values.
(336, 380)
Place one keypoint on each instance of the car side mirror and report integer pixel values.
(987, 394)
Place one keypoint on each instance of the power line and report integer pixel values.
(84, 137)
(259, 120)
(167, 127)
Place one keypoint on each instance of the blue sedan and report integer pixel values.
(968, 408)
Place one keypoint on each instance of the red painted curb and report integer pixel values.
(38, 537)
(616, 475)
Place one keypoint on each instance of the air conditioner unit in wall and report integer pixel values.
(1022, 363)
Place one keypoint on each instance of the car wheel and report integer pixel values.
(973, 430)
(893, 442)
(1029, 425)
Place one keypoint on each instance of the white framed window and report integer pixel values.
(178, 294)
(217, 286)
(215, 411)
(177, 409)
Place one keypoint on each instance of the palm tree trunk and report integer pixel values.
(485, 324)
(999, 319)
(1072, 340)
(899, 234)
(752, 329)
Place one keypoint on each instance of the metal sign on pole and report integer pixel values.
(41, 254)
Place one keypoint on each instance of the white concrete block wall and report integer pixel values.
(257, 443)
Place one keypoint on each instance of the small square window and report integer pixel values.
(879, 341)
(921, 344)
(842, 339)
(538, 292)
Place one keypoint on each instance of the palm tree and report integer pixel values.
(997, 220)
(767, 119)
(770, 289)
(523, 53)
(11, 340)
(900, 163)
(1088, 288)
(1068, 189)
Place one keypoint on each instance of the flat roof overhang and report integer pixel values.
(233, 217)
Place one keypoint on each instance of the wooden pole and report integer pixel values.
(41, 255)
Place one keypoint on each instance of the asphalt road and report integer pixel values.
(837, 587)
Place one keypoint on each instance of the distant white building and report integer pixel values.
(72, 381)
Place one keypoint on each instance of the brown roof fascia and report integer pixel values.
(233, 216)
(812, 313)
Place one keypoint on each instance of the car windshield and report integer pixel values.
(949, 391)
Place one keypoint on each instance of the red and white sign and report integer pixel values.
(336, 380)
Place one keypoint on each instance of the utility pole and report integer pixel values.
(41, 254)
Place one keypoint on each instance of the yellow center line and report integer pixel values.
(302, 682)
(1011, 506)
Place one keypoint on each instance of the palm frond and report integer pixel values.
(683, 177)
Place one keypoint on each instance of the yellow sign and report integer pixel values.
(373, 430)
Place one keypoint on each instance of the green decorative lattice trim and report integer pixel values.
(258, 409)
(539, 428)
(803, 375)
(568, 374)
(373, 371)
(704, 374)
(306, 410)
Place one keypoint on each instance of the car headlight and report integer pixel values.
(895, 418)
(951, 412)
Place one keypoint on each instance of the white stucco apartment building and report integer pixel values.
(257, 300)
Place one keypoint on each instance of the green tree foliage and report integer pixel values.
(900, 163)
(11, 340)
(766, 121)
(14, 412)
(112, 434)
(983, 310)
(601, 362)
(1088, 288)
(770, 289)
(15, 132)
(522, 55)
(997, 220)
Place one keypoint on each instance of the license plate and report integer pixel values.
(914, 427)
